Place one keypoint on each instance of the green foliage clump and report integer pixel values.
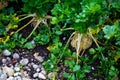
(41, 7)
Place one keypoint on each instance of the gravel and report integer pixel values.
(21, 66)
(6, 52)
(35, 66)
(4, 61)
(16, 56)
(18, 78)
(17, 69)
(35, 75)
(24, 61)
(3, 76)
(9, 71)
(41, 76)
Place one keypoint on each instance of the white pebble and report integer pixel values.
(39, 58)
(64, 38)
(35, 75)
(16, 74)
(26, 79)
(3, 76)
(16, 56)
(6, 52)
(1, 72)
(41, 76)
(38, 69)
(4, 61)
(8, 58)
(93, 68)
(33, 42)
(7, 29)
(51, 74)
(43, 72)
(10, 78)
(8, 70)
(18, 78)
(35, 66)
(24, 61)
(16, 68)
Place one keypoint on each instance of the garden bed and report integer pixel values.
(59, 40)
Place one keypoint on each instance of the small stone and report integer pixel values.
(8, 70)
(38, 69)
(41, 76)
(39, 58)
(16, 74)
(64, 38)
(18, 78)
(10, 78)
(1, 72)
(6, 52)
(7, 29)
(43, 72)
(16, 68)
(8, 58)
(51, 74)
(24, 61)
(93, 68)
(28, 69)
(26, 79)
(35, 66)
(33, 42)
(16, 56)
(24, 73)
(4, 60)
(35, 75)
(3, 76)
(29, 64)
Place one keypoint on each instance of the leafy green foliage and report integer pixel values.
(29, 45)
(92, 51)
(43, 35)
(111, 31)
(76, 71)
(41, 7)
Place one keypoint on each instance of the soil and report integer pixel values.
(3, 4)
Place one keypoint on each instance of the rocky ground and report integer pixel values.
(22, 64)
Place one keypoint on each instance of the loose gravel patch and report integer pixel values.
(22, 64)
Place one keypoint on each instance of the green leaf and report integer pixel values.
(76, 68)
(86, 68)
(58, 32)
(54, 20)
(29, 45)
(66, 75)
(92, 51)
(70, 63)
(109, 31)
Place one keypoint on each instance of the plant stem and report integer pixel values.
(93, 38)
(22, 15)
(59, 1)
(25, 25)
(30, 15)
(96, 43)
(66, 46)
(37, 24)
(67, 29)
(79, 44)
